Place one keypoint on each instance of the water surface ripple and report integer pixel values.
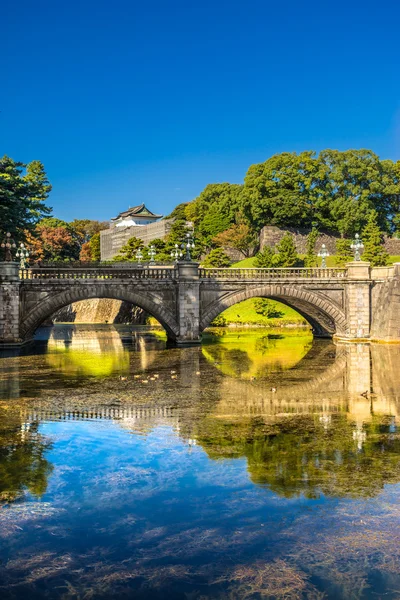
(260, 465)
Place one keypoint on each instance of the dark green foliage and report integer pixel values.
(335, 190)
(265, 259)
(372, 238)
(214, 210)
(24, 188)
(160, 248)
(179, 212)
(267, 308)
(177, 232)
(217, 258)
(311, 259)
(344, 253)
(129, 250)
(219, 321)
(286, 252)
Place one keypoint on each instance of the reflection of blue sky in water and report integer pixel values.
(120, 507)
(204, 486)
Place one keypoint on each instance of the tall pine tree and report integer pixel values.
(23, 192)
(287, 253)
(265, 259)
(310, 259)
(344, 253)
(372, 238)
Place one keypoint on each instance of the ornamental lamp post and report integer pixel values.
(152, 253)
(188, 244)
(139, 256)
(357, 245)
(7, 244)
(23, 254)
(176, 254)
(323, 254)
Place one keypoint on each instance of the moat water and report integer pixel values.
(263, 464)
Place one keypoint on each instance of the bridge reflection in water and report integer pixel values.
(236, 396)
(257, 460)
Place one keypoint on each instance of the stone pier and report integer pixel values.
(9, 304)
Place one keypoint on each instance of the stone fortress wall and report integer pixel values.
(271, 235)
(112, 240)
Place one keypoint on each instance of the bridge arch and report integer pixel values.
(323, 314)
(46, 307)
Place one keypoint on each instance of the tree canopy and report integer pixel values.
(334, 190)
(24, 188)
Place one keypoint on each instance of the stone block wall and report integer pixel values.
(112, 240)
(385, 309)
(271, 235)
(101, 310)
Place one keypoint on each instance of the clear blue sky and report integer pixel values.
(132, 101)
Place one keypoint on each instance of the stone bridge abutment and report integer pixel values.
(354, 303)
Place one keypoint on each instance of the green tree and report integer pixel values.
(179, 212)
(336, 190)
(267, 308)
(372, 237)
(87, 228)
(213, 211)
(286, 252)
(285, 191)
(357, 183)
(160, 248)
(224, 196)
(344, 253)
(217, 258)
(94, 245)
(311, 259)
(265, 259)
(24, 188)
(129, 250)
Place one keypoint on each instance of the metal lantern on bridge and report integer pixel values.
(23, 255)
(152, 254)
(176, 254)
(188, 244)
(357, 245)
(8, 243)
(323, 254)
(139, 256)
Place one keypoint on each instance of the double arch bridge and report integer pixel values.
(352, 303)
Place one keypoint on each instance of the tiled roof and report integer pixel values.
(141, 210)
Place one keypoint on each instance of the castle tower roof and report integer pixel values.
(137, 211)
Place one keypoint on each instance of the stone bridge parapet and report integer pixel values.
(351, 303)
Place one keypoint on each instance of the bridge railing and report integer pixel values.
(281, 273)
(98, 273)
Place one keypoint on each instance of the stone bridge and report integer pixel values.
(352, 303)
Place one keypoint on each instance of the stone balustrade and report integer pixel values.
(98, 273)
(278, 273)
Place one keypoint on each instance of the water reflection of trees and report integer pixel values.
(252, 354)
(310, 454)
(23, 466)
